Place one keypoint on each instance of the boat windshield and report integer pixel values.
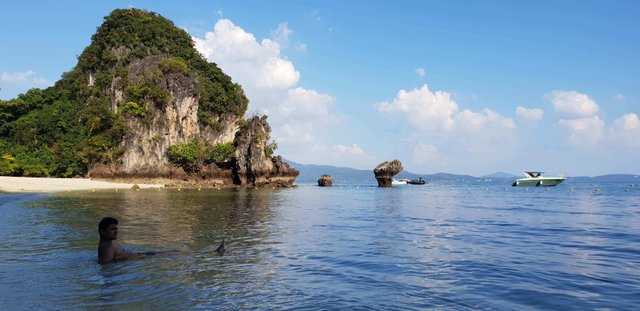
(533, 174)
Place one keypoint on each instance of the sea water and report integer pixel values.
(352, 246)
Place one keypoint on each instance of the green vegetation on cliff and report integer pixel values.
(65, 129)
(194, 154)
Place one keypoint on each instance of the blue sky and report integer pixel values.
(470, 87)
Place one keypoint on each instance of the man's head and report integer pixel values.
(108, 228)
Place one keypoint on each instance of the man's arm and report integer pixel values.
(122, 255)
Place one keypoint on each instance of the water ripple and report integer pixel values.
(353, 247)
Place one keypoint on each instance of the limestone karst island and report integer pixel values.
(141, 104)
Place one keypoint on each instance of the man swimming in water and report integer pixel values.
(109, 252)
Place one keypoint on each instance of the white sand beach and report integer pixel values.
(36, 184)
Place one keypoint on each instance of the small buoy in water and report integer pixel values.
(526, 189)
(571, 189)
(505, 188)
(626, 190)
(199, 189)
(597, 190)
(218, 188)
(179, 189)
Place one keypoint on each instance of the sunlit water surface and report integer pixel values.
(442, 246)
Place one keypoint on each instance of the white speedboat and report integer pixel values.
(402, 181)
(536, 179)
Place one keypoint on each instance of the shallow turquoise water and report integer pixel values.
(477, 246)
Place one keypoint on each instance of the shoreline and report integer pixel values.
(47, 184)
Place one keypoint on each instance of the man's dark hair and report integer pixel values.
(106, 222)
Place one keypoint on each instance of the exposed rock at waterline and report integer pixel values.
(385, 171)
(254, 164)
(325, 181)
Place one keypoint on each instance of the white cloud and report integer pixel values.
(16, 77)
(531, 115)
(294, 133)
(278, 73)
(352, 150)
(282, 34)
(301, 47)
(486, 120)
(301, 103)
(253, 64)
(29, 78)
(586, 131)
(438, 112)
(626, 130)
(485, 132)
(425, 110)
(420, 71)
(572, 103)
(352, 156)
(427, 154)
(301, 119)
(437, 117)
(619, 97)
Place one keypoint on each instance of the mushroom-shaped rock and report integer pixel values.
(385, 171)
(325, 181)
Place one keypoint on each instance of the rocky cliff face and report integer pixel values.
(175, 121)
(159, 124)
(253, 166)
(149, 134)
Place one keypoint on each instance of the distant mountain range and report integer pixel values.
(623, 178)
(309, 173)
